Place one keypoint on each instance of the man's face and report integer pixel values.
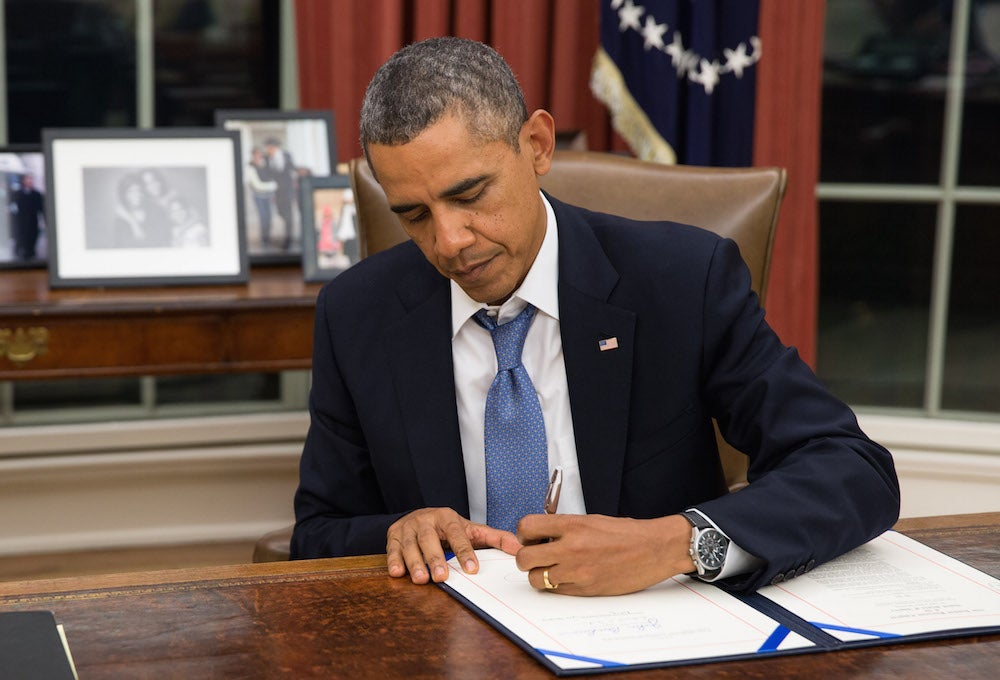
(133, 195)
(152, 183)
(472, 207)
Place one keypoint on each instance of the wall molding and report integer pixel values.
(944, 466)
(937, 435)
(147, 483)
(46, 440)
(232, 478)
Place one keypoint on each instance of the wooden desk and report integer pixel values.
(265, 325)
(347, 618)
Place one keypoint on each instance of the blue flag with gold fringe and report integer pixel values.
(678, 77)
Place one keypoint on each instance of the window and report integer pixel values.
(81, 63)
(214, 55)
(69, 64)
(910, 206)
(122, 63)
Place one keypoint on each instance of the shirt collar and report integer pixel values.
(540, 286)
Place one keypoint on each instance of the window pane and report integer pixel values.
(972, 354)
(980, 146)
(884, 90)
(214, 389)
(214, 56)
(69, 64)
(51, 395)
(875, 282)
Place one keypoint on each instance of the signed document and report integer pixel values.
(891, 587)
(679, 619)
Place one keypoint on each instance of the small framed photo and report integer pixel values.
(330, 225)
(23, 233)
(130, 207)
(279, 149)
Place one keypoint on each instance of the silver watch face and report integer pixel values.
(712, 547)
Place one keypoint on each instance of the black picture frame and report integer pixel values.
(304, 142)
(330, 242)
(131, 207)
(23, 228)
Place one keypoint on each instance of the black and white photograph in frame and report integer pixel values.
(144, 207)
(279, 149)
(330, 225)
(23, 233)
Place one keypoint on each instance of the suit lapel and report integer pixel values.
(599, 380)
(421, 364)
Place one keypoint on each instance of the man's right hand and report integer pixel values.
(415, 544)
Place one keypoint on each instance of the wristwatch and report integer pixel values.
(708, 546)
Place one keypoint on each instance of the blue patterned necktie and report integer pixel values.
(516, 453)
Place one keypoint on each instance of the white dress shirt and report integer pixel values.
(475, 365)
(475, 362)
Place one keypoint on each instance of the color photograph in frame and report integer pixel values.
(131, 207)
(330, 227)
(23, 233)
(279, 149)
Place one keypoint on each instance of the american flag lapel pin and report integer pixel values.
(608, 343)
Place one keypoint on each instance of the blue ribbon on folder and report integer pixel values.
(775, 639)
(860, 631)
(603, 663)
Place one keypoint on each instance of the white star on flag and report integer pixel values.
(737, 60)
(708, 75)
(653, 32)
(628, 16)
(678, 55)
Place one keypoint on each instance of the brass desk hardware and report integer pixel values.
(21, 346)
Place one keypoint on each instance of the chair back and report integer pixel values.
(738, 203)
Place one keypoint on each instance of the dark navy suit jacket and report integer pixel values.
(692, 344)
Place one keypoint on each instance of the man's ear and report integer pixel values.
(539, 133)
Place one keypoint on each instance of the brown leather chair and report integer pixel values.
(739, 203)
(274, 546)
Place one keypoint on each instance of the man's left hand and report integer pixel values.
(416, 543)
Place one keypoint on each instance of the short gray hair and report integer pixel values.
(425, 80)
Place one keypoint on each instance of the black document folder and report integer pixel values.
(31, 647)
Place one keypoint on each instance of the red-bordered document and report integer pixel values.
(891, 589)
(888, 588)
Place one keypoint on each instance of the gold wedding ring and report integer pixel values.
(549, 585)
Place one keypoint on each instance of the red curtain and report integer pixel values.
(549, 45)
(786, 133)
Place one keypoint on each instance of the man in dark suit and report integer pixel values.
(642, 332)
(27, 207)
(280, 169)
